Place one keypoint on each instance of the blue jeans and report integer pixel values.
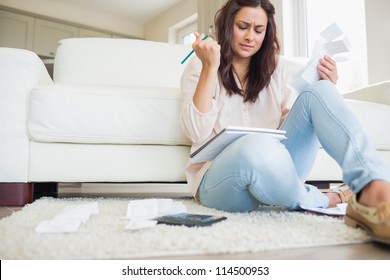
(259, 169)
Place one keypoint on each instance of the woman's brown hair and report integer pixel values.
(262, 64)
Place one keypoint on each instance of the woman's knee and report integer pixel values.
(322, 88)
(259, 150)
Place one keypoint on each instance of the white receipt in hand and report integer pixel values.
(332, 41)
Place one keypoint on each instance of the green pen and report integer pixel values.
(185, 59)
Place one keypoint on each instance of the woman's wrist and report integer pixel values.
(210, 68)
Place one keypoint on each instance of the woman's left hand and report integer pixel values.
(327, 69)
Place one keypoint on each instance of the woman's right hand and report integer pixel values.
(207, 50)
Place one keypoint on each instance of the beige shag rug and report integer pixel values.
(103, 236)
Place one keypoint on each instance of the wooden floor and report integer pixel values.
(368, 251)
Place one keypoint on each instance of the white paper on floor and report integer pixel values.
(141, 213)
(339, 210)
(69, 219)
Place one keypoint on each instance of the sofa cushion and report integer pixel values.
(119, 62)
(62, 162)
(102, 114)
(373, 117)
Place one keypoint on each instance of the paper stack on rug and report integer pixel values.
(141, 213)
(69, 219)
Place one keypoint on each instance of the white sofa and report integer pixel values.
(112, 115)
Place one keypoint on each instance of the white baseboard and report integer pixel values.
(175, 189)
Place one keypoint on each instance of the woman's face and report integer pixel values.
(250, 25)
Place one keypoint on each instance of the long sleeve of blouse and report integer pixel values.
(198, 126)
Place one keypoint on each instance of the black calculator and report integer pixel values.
(190, 220)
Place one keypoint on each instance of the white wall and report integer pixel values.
(278, 4)
(378, 36)
(378, 40)
(377, 20)
(71, 14)
(158, 28)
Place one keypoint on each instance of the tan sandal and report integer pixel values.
(343, 191)
(374, 220)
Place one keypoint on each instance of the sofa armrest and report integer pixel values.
(20, 72)
(376, 93)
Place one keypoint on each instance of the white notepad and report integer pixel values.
(231, 133)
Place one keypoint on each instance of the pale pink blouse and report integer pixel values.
(226, 110)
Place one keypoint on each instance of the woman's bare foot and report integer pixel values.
(341, 194)
(334, 199)
(374, 193)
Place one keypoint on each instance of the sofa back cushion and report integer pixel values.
(119, 62)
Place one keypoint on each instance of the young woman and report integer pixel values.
(239, 80)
